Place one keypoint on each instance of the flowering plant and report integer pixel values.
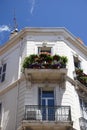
(45, 60)
(82, 77)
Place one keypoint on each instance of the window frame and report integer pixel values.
(48, 50)
(3, 72)
(76, 58)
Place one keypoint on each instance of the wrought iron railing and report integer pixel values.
(83, 123)
(48, 113)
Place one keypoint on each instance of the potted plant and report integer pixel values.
(48, 59)
(33, 58)
(26, 62)
(79, 71)
(55, 65)
(63, 61)
(56, 58)
(45, 61)
(83, 79)
(36, 65)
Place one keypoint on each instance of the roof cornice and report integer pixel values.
(40, 31)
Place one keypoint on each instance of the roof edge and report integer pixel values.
(68, 35)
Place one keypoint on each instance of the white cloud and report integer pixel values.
(32, 6)
(32, 3)
(4, 28)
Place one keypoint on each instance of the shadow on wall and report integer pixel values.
(5, 120)
(59, 95)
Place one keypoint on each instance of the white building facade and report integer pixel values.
(43, 98)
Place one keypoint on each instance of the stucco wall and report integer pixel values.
(11, 58)
(9, 109)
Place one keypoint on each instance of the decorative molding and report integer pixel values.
(39, 31)
(78, 86)
(44, 44)
(11, 86)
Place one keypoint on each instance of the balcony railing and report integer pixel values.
(47, 113)
(83, 123)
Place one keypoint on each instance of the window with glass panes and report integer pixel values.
(77, 63)
(2, 72)
(44, 50)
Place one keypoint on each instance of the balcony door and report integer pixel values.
(47, 103)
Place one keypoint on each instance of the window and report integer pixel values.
(2, 72)
(83, 104)
(46, 100)
(77, 62)
(44, 49)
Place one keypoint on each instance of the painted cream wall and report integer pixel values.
(35, 41)
(70, 97)
(11, 58)
(26, 96)
(9, 109)
(20, 102)
(76, 52)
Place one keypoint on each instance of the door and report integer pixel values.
(47, 103)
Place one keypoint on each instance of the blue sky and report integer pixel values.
(71, 14)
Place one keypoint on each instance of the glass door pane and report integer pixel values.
(51, 111)
(46, 102)
(44, 109)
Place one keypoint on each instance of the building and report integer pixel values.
(41, 92)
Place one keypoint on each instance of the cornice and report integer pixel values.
(77, 84)
(78, 45)
(43, 31)
(13, 85)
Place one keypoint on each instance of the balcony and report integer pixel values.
(81, 77)
(46, 113)
(45, 75)
(83, 123)
(40, 117)
(44, 67)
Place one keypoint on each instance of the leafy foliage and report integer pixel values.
(82, 77)
(45, 61)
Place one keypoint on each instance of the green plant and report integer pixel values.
(64, 59)
(26, 62)
(56, 57)
(45, 58)
(44, 61)
(79, 71)
(84, 78)
(33, 58)
(48, 58)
